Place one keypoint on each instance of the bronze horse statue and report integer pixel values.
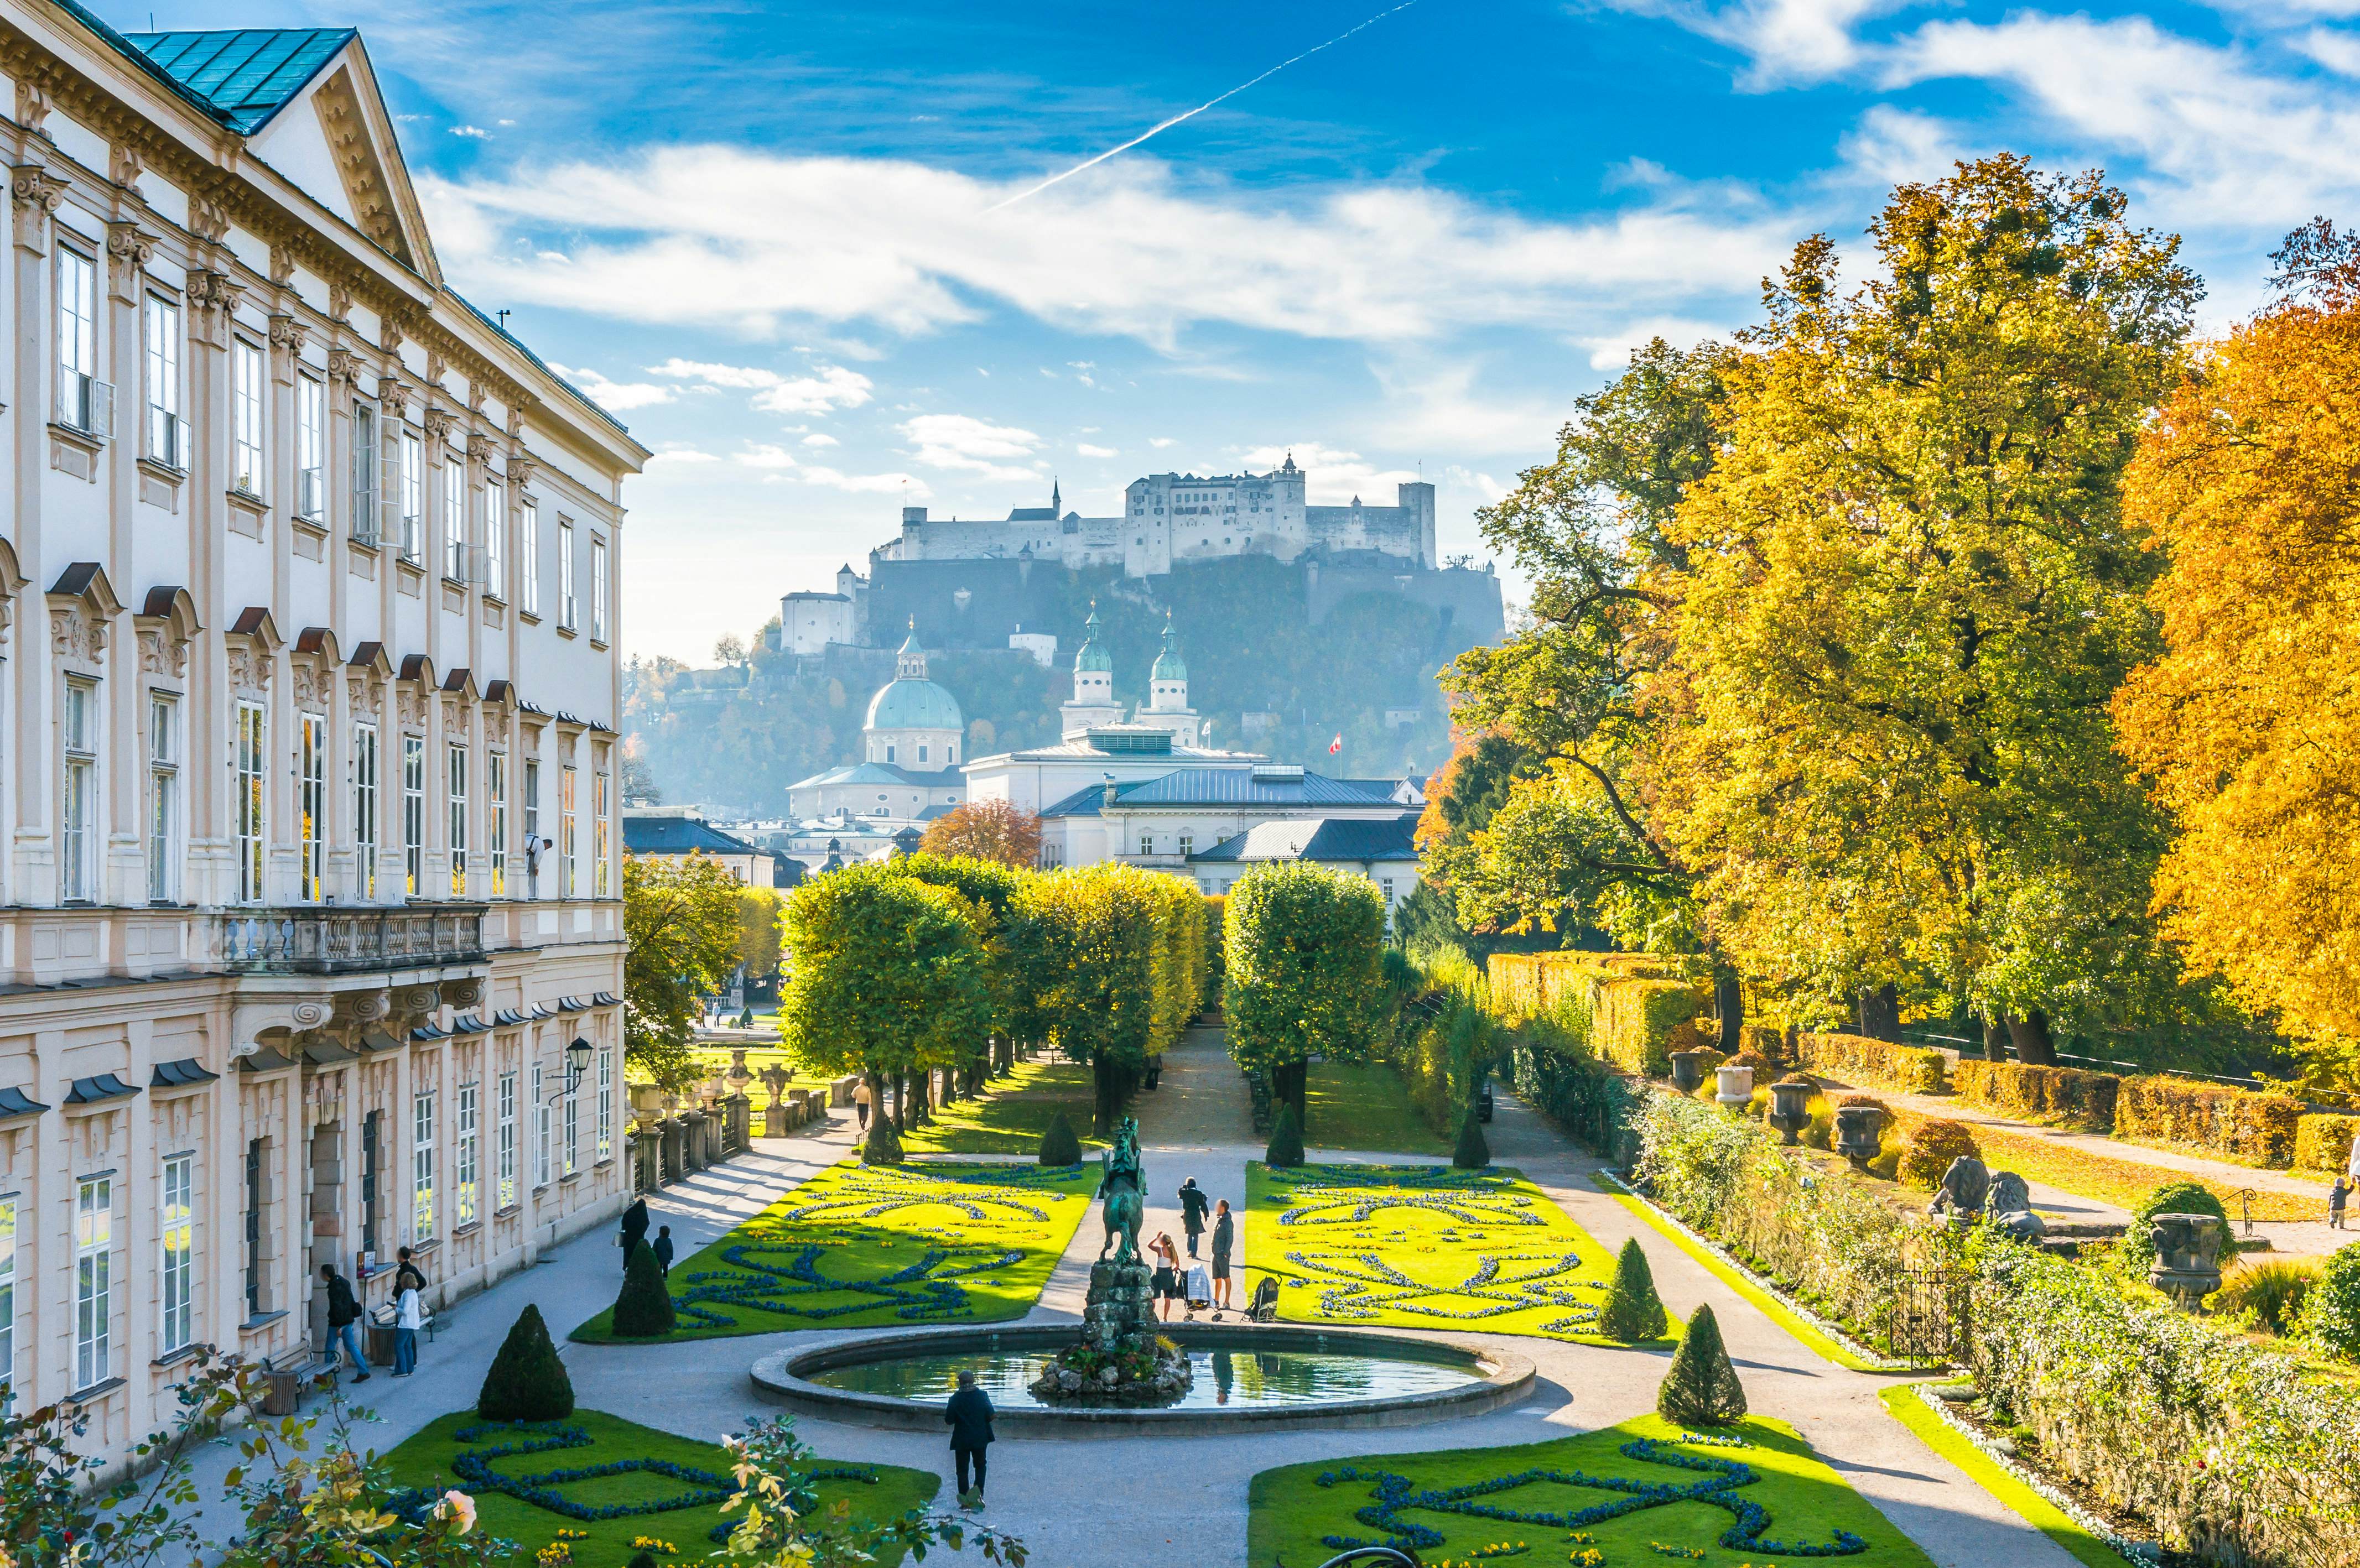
(1123, 1186)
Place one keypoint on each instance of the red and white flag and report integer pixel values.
(1336, 745)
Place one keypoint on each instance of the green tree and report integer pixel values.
(1306, 972)
(1284, 1150)
(1701, 1387)
(1058, 1144)
(1472, 1153)
(758, 931)
(644, 1308)
(681, 934)
(1632, 1311)
(527, 1380)
(992, 892)
(1105, 947)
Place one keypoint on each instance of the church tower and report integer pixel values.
(1167, 695)
(1093, 706)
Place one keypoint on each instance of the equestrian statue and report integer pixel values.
(1123, 1187)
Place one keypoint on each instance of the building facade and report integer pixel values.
(910, 744)
(310, 919)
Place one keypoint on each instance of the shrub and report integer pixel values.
(1702, 1389)
(2331, 1310)
(1913, 1070)
(527, 1382)
(2212, 1118)
(2271, 1293)
(2322, 1141)
(1472, 1153)
(883, 1144)
(1633, 1020)
(1763, 1040)
(2065, 1095)
(2172, 1198)
(644, 1309)
(1286, 1150)
(1633, 1311)
(1931, 1148)
(642, 1559)
(1058, 1144)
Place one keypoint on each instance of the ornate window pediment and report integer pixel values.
(167, 623)
(254, 644)
(83, 607)
(316, 660)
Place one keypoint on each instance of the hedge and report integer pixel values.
(1526, 985)
(2322, 1141)
(2064, 1096)
(2209, 1118)
(1912, 1069)
(1633, 1021)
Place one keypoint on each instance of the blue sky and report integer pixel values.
(761, 231)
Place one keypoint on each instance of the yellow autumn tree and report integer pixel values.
(2249, 725)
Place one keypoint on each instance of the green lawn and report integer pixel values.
(1423, 1246)
(1296, 1517)
(430, 1458)
(1365, 1105)
(881, 1246)
(1013, 1114)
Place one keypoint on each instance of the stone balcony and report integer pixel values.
(328, 940)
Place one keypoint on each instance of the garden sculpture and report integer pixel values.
(1789, 1114)
(2009, 1203)
(1858, 1132)
(1688, 1071)
(1965, 1185)
(1123, 1185)
(2187, 1266)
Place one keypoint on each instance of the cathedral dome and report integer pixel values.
(1169, 665)
(1093, 654)
(913, 703)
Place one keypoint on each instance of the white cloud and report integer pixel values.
(1488, 490)
(730, 238)
(965, 442)
(1159, 442)
(909, 485)
(1086, 450)
(760, 455)
(821, 439)
(1784, 41)
(828, 388)
(1612, 352)
(1332, 475)
(2339, 51)
(477, 132)
(676, 453)
(616, 397)
(1891, 146)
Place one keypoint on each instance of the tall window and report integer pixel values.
(167, 441)
(570, 1150)
(78, 852)
(413, 495)
(565, 574)
(93, 1281)
(251, 1250)
(249, 802)
(365, 786)
(413, 814)
(372, 1143)
(458, 797)
(421, 1166)
(540, 1131)
(247, 380)
(532, 799)
(83, 401)
(455, 513)
(163, 797)
(600, 837)
(496, 538)
(179, 1248)
(530, 601)
(368, 526)
(312, 448)
(505, 1151)
(573, 879)
(312, 790)
(597, 588)
(7, 1296)
(605, 1102)
(496, 801)
(464, 1139)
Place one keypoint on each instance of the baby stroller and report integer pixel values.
(1198, 1283)
(1264, 1308)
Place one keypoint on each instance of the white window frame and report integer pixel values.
(78, 735)
(465, 1137)
(366, 824)
(505, 1149)
(568, 872)
(413, 497)
(606, 1104)
(455, 778)
(250, 801)
(94, 1242)
(311, 808)
(163, 797)
(565, 605)
(455, 513)
(421, 1166)
(530, 559)
(368, 462)
(540, 1130)
(602, 840)
(81, 403)
(310, 448)
(496, 536)
(249, 377)
(413, 814)
(177, 1247)
(570, 1150)
(496, 828)
(7, 1300)
(598, 586)
(168, 433)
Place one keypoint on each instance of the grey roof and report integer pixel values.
(885, 773)
(1221, 787)
(680, 836)
(1319, 839)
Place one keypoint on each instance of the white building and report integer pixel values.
(310, 927)
(675, 832)
(909, 742)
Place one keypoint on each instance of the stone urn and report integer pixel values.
(1688, 1071)
(1734, 1087)
(1789, 1113)
(739, 1072)
(647, 1099)
(774, 1114)
(2187, 1266)
(1860, 1132)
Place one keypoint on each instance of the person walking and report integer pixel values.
(663, 1244)
(409, 1317)
(864, 1100)
(1225, 1241)
(1192, 1212)
(343, 1323)
(968, 1415)
(2337, 1197)
(635, 1230)
(1165, 1285)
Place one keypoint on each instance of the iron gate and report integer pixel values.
(1929, 1321)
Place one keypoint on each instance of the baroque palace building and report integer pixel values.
(310, 912)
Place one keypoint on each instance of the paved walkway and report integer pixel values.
(1181, 1502)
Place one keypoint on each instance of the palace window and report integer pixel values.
(163, 797)
(566, 821)
(247, 807)
(246, 390)
(313, 803)
(413, 814)
(601, 831)
(496, 802)
(464, 1139)
(93, 1281)
(364, 816)
(78, 851)
(597, 588)
(496, 538)
(505, 1152)
(605, 1102)
(421, 1166)
(457, 787)
(530, 601)
(85, 402)
(366, 526)
(178, 1234)
(167, 435)
(7, 1294)
(565, 574)
(311, 449)
(413, 497)
(455, 513)
(540, 1129)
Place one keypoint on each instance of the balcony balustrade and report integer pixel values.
(327, 939)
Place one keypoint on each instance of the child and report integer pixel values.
(2335, 1199)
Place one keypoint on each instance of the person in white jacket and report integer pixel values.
(409, 1317)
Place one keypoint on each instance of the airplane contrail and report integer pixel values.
(1158, 130)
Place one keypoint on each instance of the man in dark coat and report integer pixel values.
(635, 1229)
(343, 1319)
(662, 1244)
(1193, 1206)
(969, 1418)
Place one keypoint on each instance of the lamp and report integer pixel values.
(577, 1059)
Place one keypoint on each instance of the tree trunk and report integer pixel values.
(1728, 998)
(2034, 1046)
(1290, 1082)
(900, 1101)
(1995, 1039)
(1880, 1013)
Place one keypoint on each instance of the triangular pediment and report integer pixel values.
(338, 130)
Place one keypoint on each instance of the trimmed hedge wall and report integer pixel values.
(1631, 1005)
(1633, 1022)
(2065, 1096)
(1527, 985)
(2322, 1141)
(1912, 1069)
(2212, 1118)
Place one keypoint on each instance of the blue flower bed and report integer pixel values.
(1721, 1478)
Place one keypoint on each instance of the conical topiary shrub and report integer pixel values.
(642, 1559)
(1472, 1153)
(527, 1381)
(644, 1310)
(883, 1145)
(1058, 1144)
(1702, 1389)
(1633, 1311)
(1286, 1148)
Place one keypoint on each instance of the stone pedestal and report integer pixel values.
(1121, 1359)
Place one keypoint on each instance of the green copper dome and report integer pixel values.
(1169, 665)
(1093, 655)
(911, 704)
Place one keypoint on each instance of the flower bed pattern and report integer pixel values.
(872, 1245)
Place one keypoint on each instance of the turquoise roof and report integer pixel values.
(247, 74)
(913, 704)
(1169, 666)
(1092, 656)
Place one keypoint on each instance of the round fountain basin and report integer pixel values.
(1247, 1376)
